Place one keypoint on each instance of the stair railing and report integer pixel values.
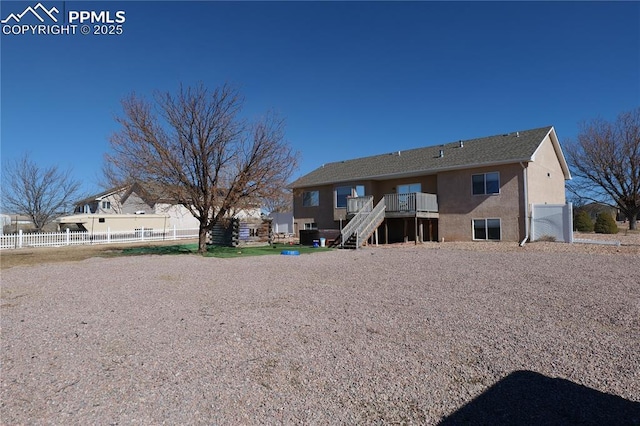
(375, 218)
(356, 221)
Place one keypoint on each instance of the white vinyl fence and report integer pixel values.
(552, 220)
(68, 238)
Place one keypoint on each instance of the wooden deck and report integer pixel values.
(413, 205)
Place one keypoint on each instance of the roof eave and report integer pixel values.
(556, 146)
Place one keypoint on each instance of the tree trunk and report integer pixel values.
(633, 222)
(202, 239)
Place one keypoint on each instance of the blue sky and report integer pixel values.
(352, 78)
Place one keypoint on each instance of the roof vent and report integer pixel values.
(441, 153)
(517, 134)
(461, 144)
(398, 153)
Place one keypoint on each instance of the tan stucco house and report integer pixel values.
(478, 189)
(133, 206)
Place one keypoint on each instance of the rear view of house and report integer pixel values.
(478, 189)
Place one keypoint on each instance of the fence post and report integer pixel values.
(174, 232)
(142, 234)
(108, 234)
(568, 222)
(532, 225)
(20, 238)
(68, 236)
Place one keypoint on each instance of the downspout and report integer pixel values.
(526, 205)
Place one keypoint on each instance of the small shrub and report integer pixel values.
(605, 224)
(583, 222)
(547, 238)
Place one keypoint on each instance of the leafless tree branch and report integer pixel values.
(197, 149)
(42, 194)
(605, 160)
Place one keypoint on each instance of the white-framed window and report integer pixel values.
(487, 229)
(344, 192)
(308, 226)
(311, 199)
(106, 204)
(409, 188)
(403, 197)
(486, 183)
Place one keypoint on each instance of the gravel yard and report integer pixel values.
(451, 333)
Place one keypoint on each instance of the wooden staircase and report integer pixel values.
(362, 225)
(350, 243)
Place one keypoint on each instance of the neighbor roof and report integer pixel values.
(493, 150)
(100, 196)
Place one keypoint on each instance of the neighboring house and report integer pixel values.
(98, 223)
(478, 189)
(136, 199)
(282, 222)
(107, 202)
(12, 223)
(5, 220)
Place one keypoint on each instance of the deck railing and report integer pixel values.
(411, 202)
(354, 204)
(356, 222)
(375, 219)
(365, 221)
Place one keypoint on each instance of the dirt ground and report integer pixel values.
(447, 334)
(41, 255)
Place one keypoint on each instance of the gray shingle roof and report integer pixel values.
(100, 196)
(499, 149)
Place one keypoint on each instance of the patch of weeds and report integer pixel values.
(229, 252)
(176, 249)
(221, 251)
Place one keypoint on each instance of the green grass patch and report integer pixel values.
(177, 249)
(222, 252)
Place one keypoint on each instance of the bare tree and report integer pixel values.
(197, 150)
(281, 202)
(42, 194)
(605, 158)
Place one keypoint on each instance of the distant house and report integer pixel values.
(12, 223)
(136, 199)
(282, 223)
(107, 202)
(478, 189)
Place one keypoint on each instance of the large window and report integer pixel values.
(410, 188)
(486, 229)
(404, 201)
(310, 199)
(343, 192)
(486, 183)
